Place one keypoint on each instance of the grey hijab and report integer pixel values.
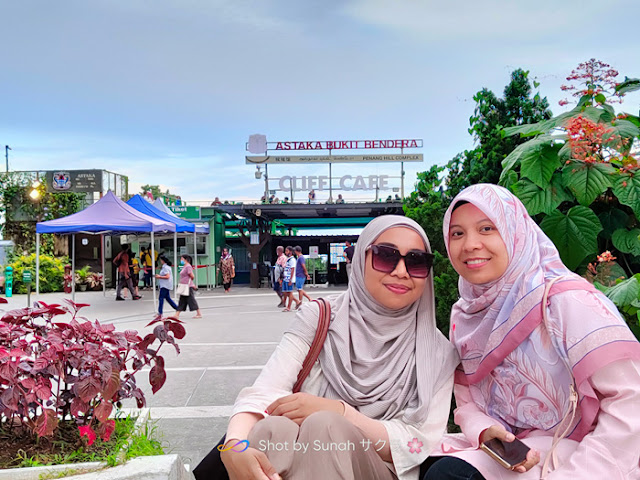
(381, 361)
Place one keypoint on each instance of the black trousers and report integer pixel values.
(189, 301)
(448, 468)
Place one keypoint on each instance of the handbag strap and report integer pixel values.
(552, 458)
(316, 345)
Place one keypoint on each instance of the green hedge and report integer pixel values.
(51, 272)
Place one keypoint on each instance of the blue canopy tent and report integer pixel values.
(107, 215)
(182, 226)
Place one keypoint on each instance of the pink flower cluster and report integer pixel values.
(593, 78)
(606, 257)
(586, 139)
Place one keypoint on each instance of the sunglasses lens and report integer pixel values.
(418, 264)
(385, 259)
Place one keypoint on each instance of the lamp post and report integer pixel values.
(6, 154)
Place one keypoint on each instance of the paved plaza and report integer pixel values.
(221, 353)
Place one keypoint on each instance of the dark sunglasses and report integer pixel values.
(385, 259)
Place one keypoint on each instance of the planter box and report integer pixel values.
(162, 467)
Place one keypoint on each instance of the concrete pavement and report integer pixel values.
(221, 353)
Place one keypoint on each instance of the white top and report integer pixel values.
(281, 371)
(166, 282)
(289, 269)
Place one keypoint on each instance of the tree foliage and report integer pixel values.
(156, 192)
(22, 211)
(578, 175)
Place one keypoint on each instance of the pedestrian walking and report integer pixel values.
(312, 196)
(134, 265)
(302, 275)
(165, 283)
(188, 299)
(289, 278)
(348, 256)
(145, 258)
(228, 269)
(124, 275)
(278, 274)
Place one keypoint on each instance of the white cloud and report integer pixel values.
(478, 20)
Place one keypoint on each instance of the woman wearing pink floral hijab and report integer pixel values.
(563, 378)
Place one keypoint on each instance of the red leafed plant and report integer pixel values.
(53, 368)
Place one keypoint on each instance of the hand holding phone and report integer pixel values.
(507, 450)
(508, 454)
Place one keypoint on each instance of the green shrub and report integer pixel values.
(51, 272)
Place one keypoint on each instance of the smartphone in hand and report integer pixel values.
(508, 454)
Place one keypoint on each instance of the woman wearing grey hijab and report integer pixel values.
(377, 400)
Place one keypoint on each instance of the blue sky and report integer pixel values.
(168, 91)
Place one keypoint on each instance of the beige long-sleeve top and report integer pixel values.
(280, 373)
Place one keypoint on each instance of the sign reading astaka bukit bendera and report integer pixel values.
(258, 144)
(346, 144)
(79, 181)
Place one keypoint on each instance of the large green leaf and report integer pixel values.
(587, 180)
(530, 149)
(565, 152)
(539, 168)
(509, 179)
(633, 119)
(539, 200)
(627, 240)
(593, 113)
(629, 85)
(626, 187)
(574, 234)
(528, 130)
(623, 129)
(545, 126)
(625, 292)
(612, 220)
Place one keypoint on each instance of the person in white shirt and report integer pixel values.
(289, 279)
(165, 283)
(376, 402)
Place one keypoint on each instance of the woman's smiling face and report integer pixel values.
(477, 250)
(395, 290)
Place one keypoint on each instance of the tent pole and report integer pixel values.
(37, 264)
(104, 276)
(153, 271)
(175, 260)
(195, 256)
(73, 267)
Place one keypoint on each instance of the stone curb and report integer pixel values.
(161, 467)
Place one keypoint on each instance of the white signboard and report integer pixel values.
(257, 143)
(313, 252)
(321, 182)
(255, 238)
(375, 158)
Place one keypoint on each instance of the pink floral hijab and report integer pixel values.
(483, 312)
(496, 320)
